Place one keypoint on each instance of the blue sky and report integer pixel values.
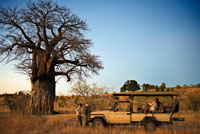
(150, 41)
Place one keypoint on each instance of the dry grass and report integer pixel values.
(14, 123)
(66, 124)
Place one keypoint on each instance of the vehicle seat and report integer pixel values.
(140, 110)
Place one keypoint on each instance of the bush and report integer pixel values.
(76, 100)
(198, 85)
(194, 101)
(18, 102)
(61, 101)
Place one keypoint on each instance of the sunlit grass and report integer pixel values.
(66, 124)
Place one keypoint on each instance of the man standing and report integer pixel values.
(78, 114)
(87, 114)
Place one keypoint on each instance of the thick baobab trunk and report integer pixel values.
(42, 96)
(42, 85)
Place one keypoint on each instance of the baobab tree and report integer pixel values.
(46, 40)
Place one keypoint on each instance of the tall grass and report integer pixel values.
(66, 124)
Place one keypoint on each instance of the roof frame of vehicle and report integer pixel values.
(139, 93)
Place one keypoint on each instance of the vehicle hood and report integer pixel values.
(100, 111)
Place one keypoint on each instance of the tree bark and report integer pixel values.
(42, 96)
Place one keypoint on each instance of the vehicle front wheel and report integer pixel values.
(97, 123)
(150, 126)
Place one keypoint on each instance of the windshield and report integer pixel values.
(123, 106)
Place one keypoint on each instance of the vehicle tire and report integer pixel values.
(150, 126)
(98, 123)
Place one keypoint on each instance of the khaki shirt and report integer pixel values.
(78, 111)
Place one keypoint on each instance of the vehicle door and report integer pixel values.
(120, 114)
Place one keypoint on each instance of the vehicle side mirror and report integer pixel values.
(117, 109)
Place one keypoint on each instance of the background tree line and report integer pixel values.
(96, 96)
(132, 85)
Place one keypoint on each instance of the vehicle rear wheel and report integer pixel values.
(97, 123)
(150, 126)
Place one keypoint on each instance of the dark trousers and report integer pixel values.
(87, 119)
(79, 120)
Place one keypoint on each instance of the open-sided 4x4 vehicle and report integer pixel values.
(130, 111)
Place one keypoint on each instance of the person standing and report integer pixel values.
(87, 114)
(78, 114)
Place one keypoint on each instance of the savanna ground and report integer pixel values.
(12, 122)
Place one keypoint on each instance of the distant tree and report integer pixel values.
(89, 92)
(145, 87)
(130, 85)
(178, 86)
(81, 88)
(170, 89)
(46, 40)
(162, 86)
(198, 85)
(157, 88)
(185, 86)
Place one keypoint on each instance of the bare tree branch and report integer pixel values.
(48, 36)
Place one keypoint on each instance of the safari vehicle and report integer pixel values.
(129, 111)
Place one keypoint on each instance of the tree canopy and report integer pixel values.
(130, 85)
(45, 30)
(47, 40)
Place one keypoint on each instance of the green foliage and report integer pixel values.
(162, 86)
(178, 86)
(130, 85)
(170, 89)
(147, 87)
(198, 85)
(157, 88)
